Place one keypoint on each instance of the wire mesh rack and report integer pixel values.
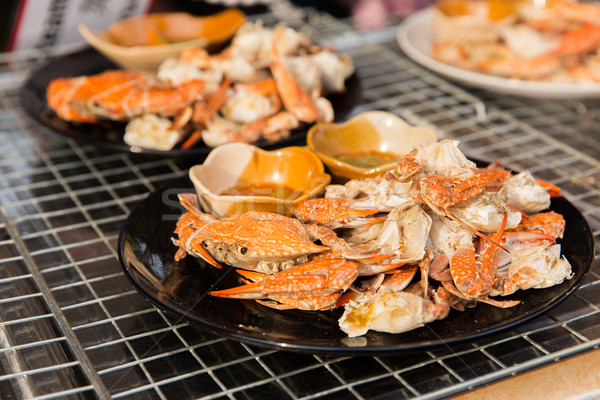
(72, 326)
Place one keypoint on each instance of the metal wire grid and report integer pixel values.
(73, 327)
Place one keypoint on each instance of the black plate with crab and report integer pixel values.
(181, 288)
(109, 134)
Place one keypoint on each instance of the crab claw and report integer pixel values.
(335, 213)
(186, 226)
(407, 167)
(185, 229)
(203, 254)
(250, 276)
(553, 190)
(474, 275)
(314, 285)
(373, 266)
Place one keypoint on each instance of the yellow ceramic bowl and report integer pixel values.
(168, 34)
(373, 137)
(238, 177)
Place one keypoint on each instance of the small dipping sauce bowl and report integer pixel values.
(238, 177)
(142, 43)
(467, 21)
(367, 145)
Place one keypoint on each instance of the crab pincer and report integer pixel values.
(474, 274)
(335, 213)
(315, 285)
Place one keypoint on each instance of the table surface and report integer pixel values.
(71, 325)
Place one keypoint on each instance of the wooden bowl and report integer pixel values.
(376, 136)
(142, 43)
(239, 177)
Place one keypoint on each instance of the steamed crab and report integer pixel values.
(436, 213)
(265, 84)
(258, 241)
(274, 251)
(119, 95)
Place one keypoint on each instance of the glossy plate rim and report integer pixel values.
(89, 61)
(180, 310)
(415, 35)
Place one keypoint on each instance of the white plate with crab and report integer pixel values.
(415, 37)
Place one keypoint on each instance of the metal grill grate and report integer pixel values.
(73, 327)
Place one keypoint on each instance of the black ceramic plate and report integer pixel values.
(180, 288)
(110, 134)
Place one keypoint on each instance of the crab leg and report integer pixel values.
(442, 193)
(532, 238)
(488, 266)
(204, 110)
(367, 288)
(424, 268)
(399, 280)
(450, 288)
(549, 223)
(295, 99)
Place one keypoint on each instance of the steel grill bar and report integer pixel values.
(271, 373)
(64, 393)
(14, 278)
(83, 361)
(9, 260)
(141, 335)
(99, 300)
(20, 298)
(192, 349)
(69, 246)
(396, 375)
(83, 262)
(38, 370)
(113, 319)
(25, 346)
(26, 319)
(132, 336)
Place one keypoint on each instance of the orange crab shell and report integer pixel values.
(118, 95)
(255, 240)
(315, 285)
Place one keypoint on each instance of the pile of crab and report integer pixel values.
(396, 251)
(556, 43)
(266, 83)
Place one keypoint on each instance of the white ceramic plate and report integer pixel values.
(415, 37)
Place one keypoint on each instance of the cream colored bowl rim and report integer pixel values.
(100, 43)
(364, 115)
(259, 199)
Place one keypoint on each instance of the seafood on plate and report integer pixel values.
(555, 42)
(396, 251)
(266, 83)
(118, 95)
